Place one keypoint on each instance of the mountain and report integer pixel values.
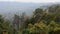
(8, 9)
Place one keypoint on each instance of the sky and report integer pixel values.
(33, 1)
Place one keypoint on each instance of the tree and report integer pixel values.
(37, 28)
(52, 26)
(37, 16)
(5, 25)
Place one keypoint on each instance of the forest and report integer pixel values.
(43, 21)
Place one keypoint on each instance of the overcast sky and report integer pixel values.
(34, 1)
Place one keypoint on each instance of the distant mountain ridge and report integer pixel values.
(8, 9)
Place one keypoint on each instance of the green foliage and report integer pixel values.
(42, 28)
(41, 22)
(5, 26)
(44, 23)
(37, 16)
(36, 28)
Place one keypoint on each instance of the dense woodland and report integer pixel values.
(43, 21)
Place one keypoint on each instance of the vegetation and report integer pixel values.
(43, 21)
(5, 26)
